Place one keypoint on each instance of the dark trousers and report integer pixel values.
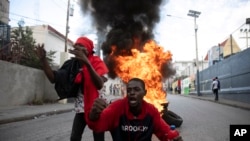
(79, 124)
(216, 94)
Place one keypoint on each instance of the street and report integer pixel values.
(202, 120)
(206, 120)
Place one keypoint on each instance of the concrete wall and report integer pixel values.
(23, 85)
(234, 75)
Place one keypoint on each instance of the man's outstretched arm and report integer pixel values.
(41, 53)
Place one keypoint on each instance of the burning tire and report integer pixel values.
(172, 119)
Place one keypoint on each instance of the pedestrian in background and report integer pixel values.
(93, 70)
(216, 88)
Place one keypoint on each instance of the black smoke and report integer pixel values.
(125, 24)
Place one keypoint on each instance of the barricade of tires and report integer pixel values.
(170, 117)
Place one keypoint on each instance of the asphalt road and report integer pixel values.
(202, 121)
(206, 120)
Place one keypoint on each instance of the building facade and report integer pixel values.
(223, 50)
(4, 21)
(188, 68)
(4, 12)
(184, 79)
(53, 41)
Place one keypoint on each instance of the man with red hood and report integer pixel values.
(91, 77)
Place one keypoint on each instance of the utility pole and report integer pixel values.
(70, 11)
(67, 28)
(219, 52)
(231, 44)
(247, 22)
(64, 55)
(196, 14)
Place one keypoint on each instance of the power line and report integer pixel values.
(62, 26)
(36, 12)
(169, 15)
(238, 28)
(36, 20)
(234, 31)
(60, 5)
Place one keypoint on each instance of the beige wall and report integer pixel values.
(229, 49)
(22, 85)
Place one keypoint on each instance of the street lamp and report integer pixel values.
(196, 14)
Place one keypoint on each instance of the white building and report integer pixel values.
(186, 72)
(53, 40)
(213, 55)
(188, 68)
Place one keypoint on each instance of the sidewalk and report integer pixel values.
(25, 112)
(224, 101)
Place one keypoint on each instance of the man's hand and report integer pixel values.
(80, 54)
(179, 138)
(40, 51)
(98, 106)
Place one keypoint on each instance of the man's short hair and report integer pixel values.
(138, 80)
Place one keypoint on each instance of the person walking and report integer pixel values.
(216, 88)
(134, 118)
(92, 76)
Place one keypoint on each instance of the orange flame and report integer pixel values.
(147, 66)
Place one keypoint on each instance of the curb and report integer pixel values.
(33, 116)
(220, 102)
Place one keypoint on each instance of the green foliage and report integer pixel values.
(24, 37)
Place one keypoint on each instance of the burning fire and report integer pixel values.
(130, 24)
(145, 64)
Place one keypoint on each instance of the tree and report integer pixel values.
(23, 36)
